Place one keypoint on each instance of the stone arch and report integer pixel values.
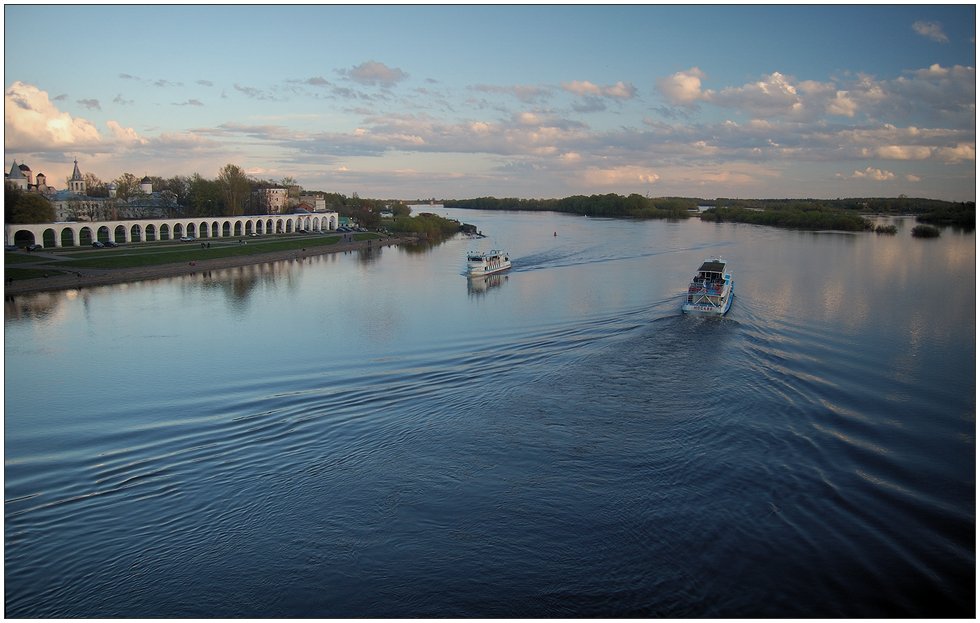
(136, 233)
(67, 237)
(119, 231)
(164, 231)
(102, 233)
(249, 227)
(151, 232)
(86, 236)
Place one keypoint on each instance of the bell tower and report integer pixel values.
(76, 184)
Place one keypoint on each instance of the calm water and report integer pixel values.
(371, 435)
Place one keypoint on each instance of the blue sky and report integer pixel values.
(510, 101)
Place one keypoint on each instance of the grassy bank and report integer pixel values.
(19, 265)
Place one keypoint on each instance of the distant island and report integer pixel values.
(812, 214)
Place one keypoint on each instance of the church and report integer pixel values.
(20, 176)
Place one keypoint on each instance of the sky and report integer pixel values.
(531, 101)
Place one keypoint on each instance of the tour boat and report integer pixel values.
(712, 289)
(486, 263)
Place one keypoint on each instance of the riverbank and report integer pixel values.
(89, 277)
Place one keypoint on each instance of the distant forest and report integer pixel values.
(837, 214)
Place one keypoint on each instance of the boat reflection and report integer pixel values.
(480, 285)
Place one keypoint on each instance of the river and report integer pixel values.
(372, 435)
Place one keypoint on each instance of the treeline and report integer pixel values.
(840, 214)
(793, 217)
(427, 226)
(788, 212)
(609, 205)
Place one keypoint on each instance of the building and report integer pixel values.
(317, 202)
(74, 204)
(270, 200)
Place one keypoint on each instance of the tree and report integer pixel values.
(235, 187)
(128, 186)
(23, 207)
(203, 197)
(94, 187)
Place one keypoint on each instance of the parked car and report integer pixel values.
(187, 239)
(110, 243)
(34, 247)
(97, 244)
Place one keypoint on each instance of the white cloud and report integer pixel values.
(682, 88)
(620, 176)
(126, 136)
(960, 153)
(871, 173)
(773, 95)
(903, 152)
(584, 88)
(32, 123)
(931, 30)
(842, 104)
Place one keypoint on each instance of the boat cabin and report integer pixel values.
(712, 270)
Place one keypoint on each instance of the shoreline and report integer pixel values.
(111, 276)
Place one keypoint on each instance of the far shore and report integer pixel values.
(101, 277)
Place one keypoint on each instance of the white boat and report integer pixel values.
(712, 289)
(486, 262)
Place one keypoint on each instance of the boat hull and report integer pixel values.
(480, 272)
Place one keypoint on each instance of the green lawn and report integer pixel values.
(166, 252)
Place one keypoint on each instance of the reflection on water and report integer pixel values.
(354, 435)
(480, 285)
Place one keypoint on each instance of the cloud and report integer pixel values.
(628, 175)
(529, 94)
(125, 136)
(252, 92)
(205, 83)
(682, 88)
(903, 152)
(32, 123)
(931, 30)
(871, 173)
(620, 90)
(190, 102)
(121, 101)
(959, 153)
(773, 95)
(91, 104)
(373, 73)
